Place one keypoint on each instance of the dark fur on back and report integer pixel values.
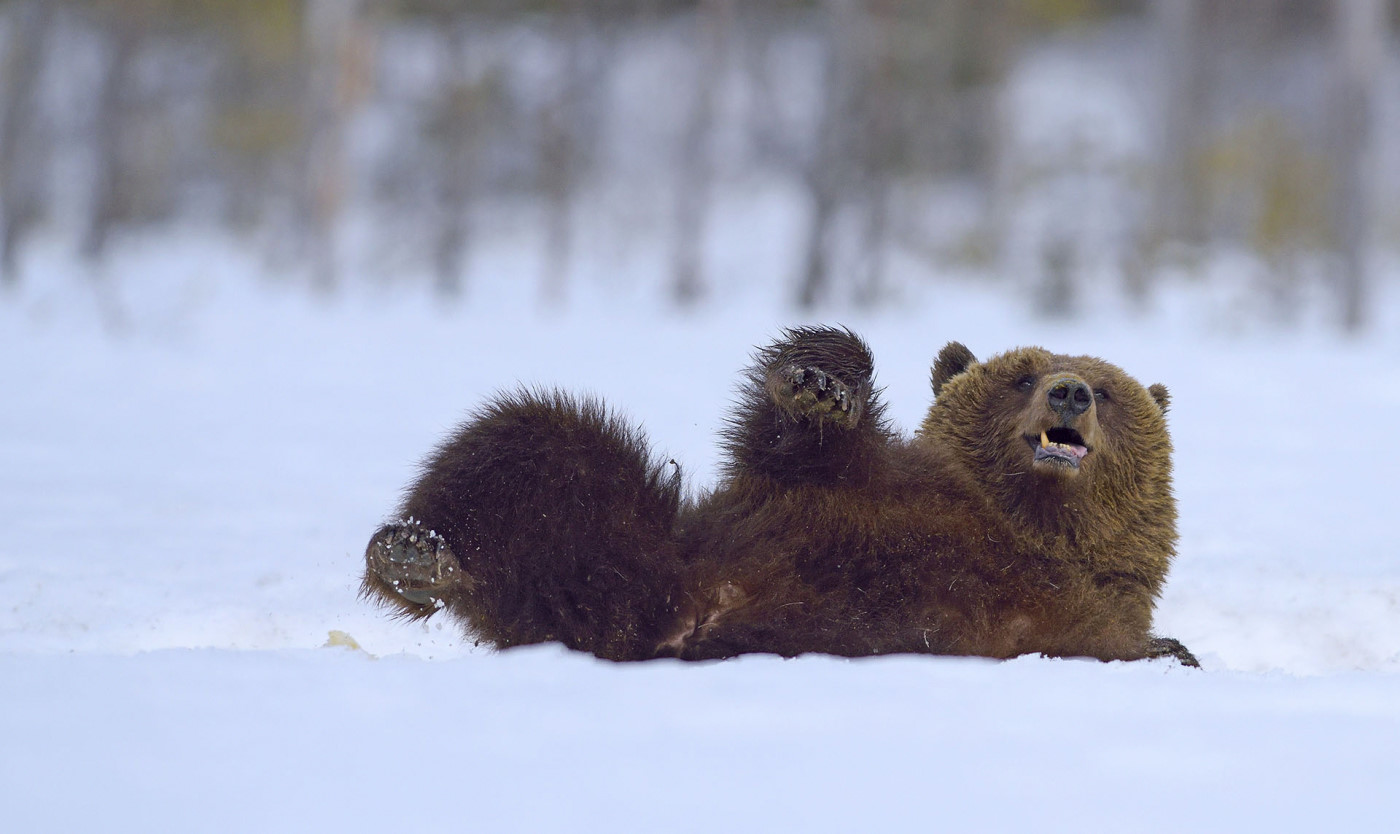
(826, 533)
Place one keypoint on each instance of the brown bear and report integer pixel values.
(1031, 512)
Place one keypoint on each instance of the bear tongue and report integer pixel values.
(1075, 449)
(1072, 451)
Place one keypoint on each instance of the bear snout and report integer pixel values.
(1061, 425)
(1069, 397)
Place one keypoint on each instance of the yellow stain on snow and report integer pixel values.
(339, 639)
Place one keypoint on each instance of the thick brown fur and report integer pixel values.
(1031, 512)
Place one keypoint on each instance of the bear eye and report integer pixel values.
(1025, 383)
(1101, 394)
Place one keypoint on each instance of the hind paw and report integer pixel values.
(812, 392)
(414, 562)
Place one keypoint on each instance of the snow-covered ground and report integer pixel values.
(189, 471)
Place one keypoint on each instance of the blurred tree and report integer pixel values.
(254, 118)
(1177, 201)
(583, 37)
(276, 113)
(1362, 30)
(22, 160)
(694, 187)
(904, 97)
(125, 27)
(829, 170)
(460, 112)
(560, 152)
(339, 47)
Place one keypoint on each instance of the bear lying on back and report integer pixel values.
(1031, 512)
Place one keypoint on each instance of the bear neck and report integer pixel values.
(1051, 508)
(1068, 516)
(1134, 535)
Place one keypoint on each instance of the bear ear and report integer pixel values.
(952, 360)
(1161, 395)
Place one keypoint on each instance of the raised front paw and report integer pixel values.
(413, 562)
(811, 392)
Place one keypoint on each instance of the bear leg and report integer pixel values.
(810, 413)
(541, 519)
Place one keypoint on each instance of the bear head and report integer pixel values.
(1057, 442)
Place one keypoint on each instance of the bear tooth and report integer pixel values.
(1044, 440)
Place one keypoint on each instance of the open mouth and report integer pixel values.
(1059, 447)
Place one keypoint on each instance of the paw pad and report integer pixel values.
(414, 561)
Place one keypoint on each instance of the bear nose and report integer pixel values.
(1070, 397)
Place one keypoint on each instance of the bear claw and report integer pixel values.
(814, 392)
(416, 563)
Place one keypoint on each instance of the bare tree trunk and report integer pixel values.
(816, 272)
(20, 166)
(337, 51)
(828, 174)
(560, 156)
(874, 240)
(879, 145)
(107, 134)
(454, 233)
(1173, 213)
(693, 196)
(1362, 31)
(1058, 293)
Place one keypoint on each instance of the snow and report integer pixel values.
(538, 739)
(192, 460)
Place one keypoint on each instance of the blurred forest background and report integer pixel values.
(1059, 146)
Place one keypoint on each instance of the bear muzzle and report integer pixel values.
(1059, 446)
(1063, 427)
